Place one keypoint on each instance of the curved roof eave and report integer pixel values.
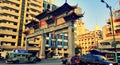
(31, 23)
(42, 15)
(64, 8)
(73, 16)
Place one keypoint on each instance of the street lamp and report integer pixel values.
(113, 34)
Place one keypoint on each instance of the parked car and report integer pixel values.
(38, 59)
(57, 57)
(74, 60)
(97, 60)
(20, 57)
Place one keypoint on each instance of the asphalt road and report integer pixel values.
(43, 62)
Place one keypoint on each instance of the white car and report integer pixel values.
(57, 57)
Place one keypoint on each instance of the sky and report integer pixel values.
(95, 11)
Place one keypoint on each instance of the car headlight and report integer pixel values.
(110, 64)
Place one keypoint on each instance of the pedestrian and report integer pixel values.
(75, 60)
(7, 55)
(64, 60)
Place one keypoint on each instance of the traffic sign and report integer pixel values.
(114, 45)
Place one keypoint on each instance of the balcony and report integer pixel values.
(30, 17)
(108, 21)
(32, 42)
(118, 46)
(8, 25)
(15, 1)
(60, 51)
(65, 40)
(47, 38)
(105, 46)
(11, 6)
(10, 12)
(108, 46)
(59, 46)
(34, 2)
(117, 27)
(33, 48)
(59, 39)
(8, 18)
(65, 47)
(8, 39)
(35, 8)
(47, 45)
(34, 13)
(8, 32)
(8, 46)
(35, 34)
(27, 18)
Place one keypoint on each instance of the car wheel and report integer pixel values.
(6, 62)
(16, 62)
(34, 61)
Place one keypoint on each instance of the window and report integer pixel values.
(27, 16)
(13, 44)
(48, 6)
(15, 23)
(1, 35)
(65, 49)
(59, 48)
(47, 35)
(59, 43)
(47, 42)
(66, 37)
(44, 5)
(14, 30)
(65, 43)
(17, 5)
(60, 36)
(14, 37)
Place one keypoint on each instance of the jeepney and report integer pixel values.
(19, 57)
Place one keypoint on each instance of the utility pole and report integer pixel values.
(112, 27)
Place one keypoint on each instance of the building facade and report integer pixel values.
(48, 6)
(107, 31)
(56, 29)
(76, 26)
(107, 45)
(14, 14)
(50, 1)
(89, 40)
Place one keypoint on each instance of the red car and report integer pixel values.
(75, 60)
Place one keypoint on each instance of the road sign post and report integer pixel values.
(114, 44)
